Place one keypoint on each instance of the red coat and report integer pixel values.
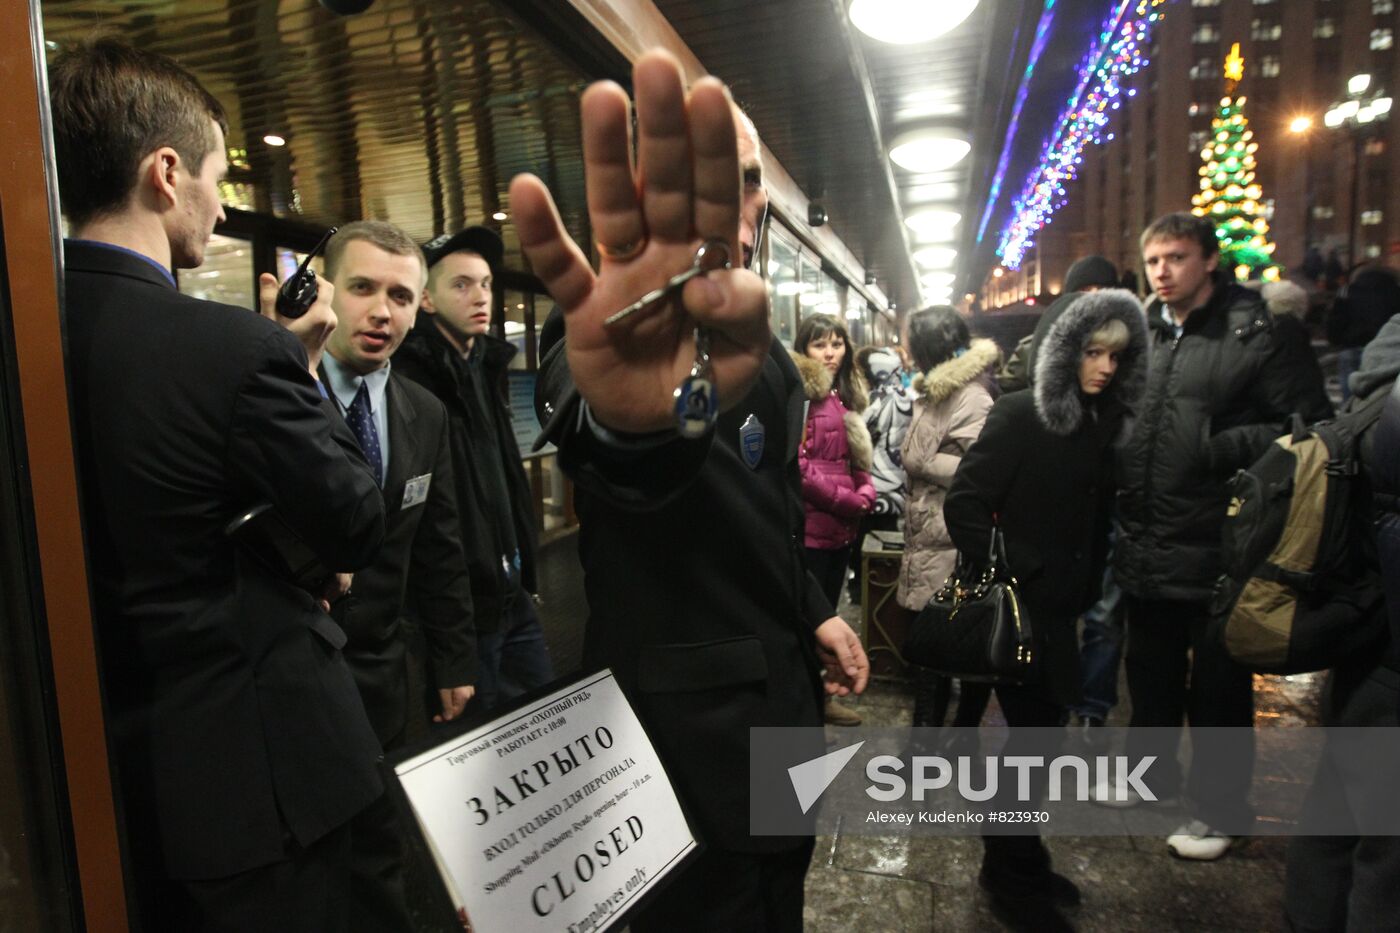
(835, 463)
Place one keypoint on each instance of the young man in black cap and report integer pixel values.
(451, 354)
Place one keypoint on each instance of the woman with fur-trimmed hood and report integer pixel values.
(835, 454)
(834, 459)
(952, 396)
(1042, 470)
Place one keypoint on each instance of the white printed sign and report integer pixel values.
(555, 817)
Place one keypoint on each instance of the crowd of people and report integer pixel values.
(247, 714)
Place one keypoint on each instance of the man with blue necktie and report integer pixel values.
(421, 571)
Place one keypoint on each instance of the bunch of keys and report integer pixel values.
(711, 256)
(696, 402)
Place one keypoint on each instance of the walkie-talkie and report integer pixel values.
(298, 293)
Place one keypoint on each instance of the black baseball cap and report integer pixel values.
(477, 239)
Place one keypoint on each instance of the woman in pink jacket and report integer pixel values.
(834, 458)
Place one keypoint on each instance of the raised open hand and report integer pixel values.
(650, 219)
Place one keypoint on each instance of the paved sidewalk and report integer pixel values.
(1129, 883)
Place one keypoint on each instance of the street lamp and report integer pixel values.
(1362, 107)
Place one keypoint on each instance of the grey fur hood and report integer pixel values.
(1059, 403)
(952, 374)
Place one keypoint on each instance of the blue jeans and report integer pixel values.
(513, 659)
(1101, 650)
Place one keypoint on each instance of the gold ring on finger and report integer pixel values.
(624, 253)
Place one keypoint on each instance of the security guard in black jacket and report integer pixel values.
(698, 597)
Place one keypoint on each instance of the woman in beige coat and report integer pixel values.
(952, 399)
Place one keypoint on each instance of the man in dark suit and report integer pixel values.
(242, 748)
(451, 354)
(379, 271)
(698, 596)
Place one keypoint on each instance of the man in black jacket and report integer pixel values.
(691, 547)
(1221, 388)
(450, 354)
(241, 747)
(1344, 863)
(421, 571)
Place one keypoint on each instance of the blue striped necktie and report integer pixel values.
(361, 420)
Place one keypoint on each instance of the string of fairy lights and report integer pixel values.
(1119, 54)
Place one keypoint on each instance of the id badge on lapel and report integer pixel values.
(415, 491)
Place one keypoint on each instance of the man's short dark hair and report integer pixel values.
(1183, 226)
(379, 233)
(113, 104)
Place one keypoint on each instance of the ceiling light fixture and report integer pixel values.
(930, 102)
(929, 151)
(936, 257)
(937, 281)
(905, 22)
(272, 139)
(933, 225)
(927, 192)
(499, 215)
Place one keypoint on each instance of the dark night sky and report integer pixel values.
(1075, 28)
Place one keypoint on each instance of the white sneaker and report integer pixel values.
(1197, 841)
(1120, 796)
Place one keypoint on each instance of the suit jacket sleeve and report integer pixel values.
(439, 586)
(287, 446)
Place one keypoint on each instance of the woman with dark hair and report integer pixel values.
(952, 394)
(1042, 472)
(834, 459)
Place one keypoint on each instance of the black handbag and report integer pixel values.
(975, 627)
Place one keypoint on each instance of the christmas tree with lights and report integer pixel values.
(1229, 195)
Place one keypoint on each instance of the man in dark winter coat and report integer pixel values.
(450, 353)
(1339, 879)
(1221, 387)
(691, 547)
